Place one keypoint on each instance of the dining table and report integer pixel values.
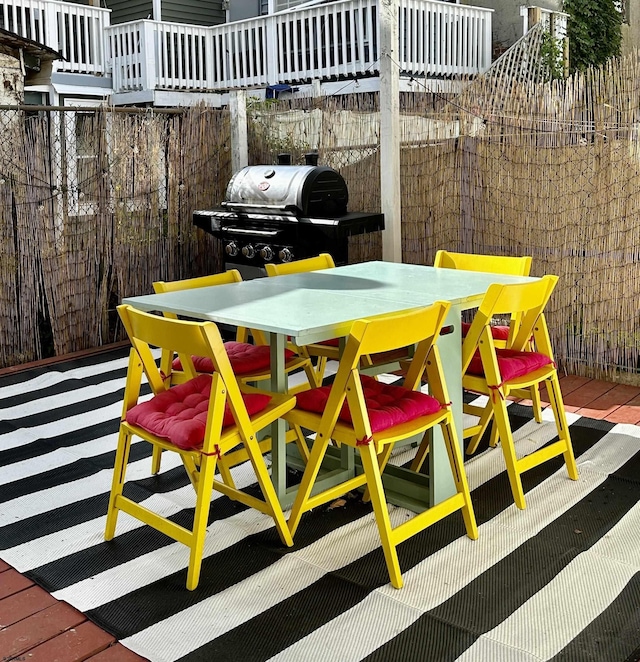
(314, 306)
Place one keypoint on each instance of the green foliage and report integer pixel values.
(551, 57)
(594, 32)
(268, 137)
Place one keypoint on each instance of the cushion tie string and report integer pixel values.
(496, 389)
(365, 441)
(216, 453)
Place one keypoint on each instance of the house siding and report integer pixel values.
(241, 9)
(193, 12)
(506, 21)
(123, 11)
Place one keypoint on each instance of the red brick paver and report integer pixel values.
(73, 645)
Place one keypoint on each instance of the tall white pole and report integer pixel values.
(239, 133)
(390, 131)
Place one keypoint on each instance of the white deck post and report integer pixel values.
(239, 140)
(390, 131)
(149, 73)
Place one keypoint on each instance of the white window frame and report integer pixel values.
(77, 206)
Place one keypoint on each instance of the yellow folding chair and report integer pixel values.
(204, 419)
(372, 416)
(251, 362)
(327, 349)
(498, 264)
(498, 372)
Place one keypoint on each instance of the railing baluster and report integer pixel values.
(330, 40)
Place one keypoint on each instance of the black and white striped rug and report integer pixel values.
(558, 581)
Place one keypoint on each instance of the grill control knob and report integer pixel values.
(249, 251)
(231, 249)
(285, 255)
(266, 253)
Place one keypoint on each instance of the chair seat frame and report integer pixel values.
(239, 438)
(419, 328)
(528, 300)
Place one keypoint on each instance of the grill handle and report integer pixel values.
(241, 206)
(252, 231)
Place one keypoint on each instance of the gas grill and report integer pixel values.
(279, 213)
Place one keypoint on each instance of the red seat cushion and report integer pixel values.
(332, 342)
(388, 405)
(179, 415)
(497, 332)
(511, 363)
(244, 358)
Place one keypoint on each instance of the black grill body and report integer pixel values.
(282, 213)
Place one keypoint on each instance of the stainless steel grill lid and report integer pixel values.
(284, 212)
(300, 190)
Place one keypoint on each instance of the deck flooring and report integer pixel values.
(35, 626)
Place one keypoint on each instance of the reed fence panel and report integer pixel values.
(550, 170)
(96, 205)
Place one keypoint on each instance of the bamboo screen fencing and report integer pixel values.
(508, 167)
(96, 205)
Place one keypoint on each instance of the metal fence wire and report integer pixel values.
(97, 204)
(505, 167)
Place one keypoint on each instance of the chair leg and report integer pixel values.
(509, 451)
(299, 507)
(536, 403)
(313, 376)
(301, 443)
(494, 437)
(485, 419)
(119, 472)
(422, 452)
(381, 512)
(320, 368)
(192, 469)
(557, 405)
(459, 477)
(156, 457)
(200, 518)
(268, 490)
(383, 460)
(225, 473)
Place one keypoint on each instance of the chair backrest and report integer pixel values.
(420, 327)
(525, 302)
(231, 276)
(495, 264)
(322, 261)
(187, 338)
(224, 278)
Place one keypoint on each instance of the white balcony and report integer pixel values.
(332, 41)
(75, 31)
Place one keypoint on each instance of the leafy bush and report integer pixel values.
(594, 32)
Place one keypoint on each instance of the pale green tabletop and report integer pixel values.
(320, 305)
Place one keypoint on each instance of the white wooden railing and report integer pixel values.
(333, 40)
(75, 31)
(325, 41)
